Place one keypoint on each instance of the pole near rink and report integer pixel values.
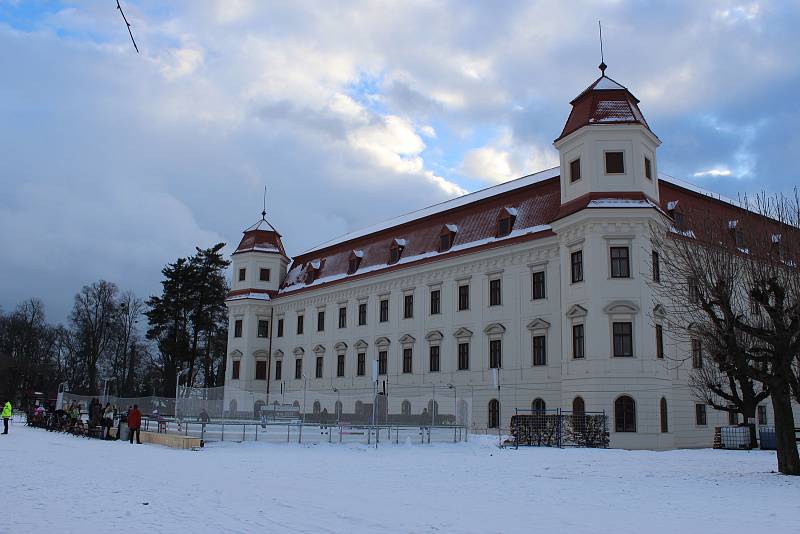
(374, 398)
(496, 382)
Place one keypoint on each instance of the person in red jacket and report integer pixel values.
(135, 423)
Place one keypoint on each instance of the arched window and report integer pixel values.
(338, 408)
(494, 414)
(538, 405)
(317, 407)
(664, 419)
(405, 408)
(578, 406)
(624, 414)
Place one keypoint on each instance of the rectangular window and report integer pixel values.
(299, 324)
(539, 350)
(318, 368)
(700, 414)
(445, 241)
(361, 364)
(434, 359)
(242, 274)
(575, 170)
(495, 292)
(321, 321)
(504, 226)
(298, 368)
(342, 317)
(237, 365)
(620, 262)
(697, 354)
(340, 365)
(538, 285)
(463, 356)
(280, 327)
(615, 163)
(383, 357)
(693, 289)
(362, 314)
(407, 360)
(384, 311)
(578, 342)
(576, 263)
(278, 369)
(263, 274)
(408, 306)
(436, 301)
(733, 418)
(495, 354)
(463, 297)
(648, 169)
(263, 328)
(656, 267)
(261, 369)
(762, 415)
(659, 342)
(623, 339)
(237, 328)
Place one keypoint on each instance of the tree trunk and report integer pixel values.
(749, 414)
(788, 458)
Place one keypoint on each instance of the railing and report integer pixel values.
(299, 432)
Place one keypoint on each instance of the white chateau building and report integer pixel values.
(547, 278)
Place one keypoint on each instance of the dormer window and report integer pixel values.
(312, 270)
(355, 261)
(648, 169)
(505, 221)
(677, 216)
(447, 236)
(575, 170)
(615, 163)
(396, 250)
(736, 232)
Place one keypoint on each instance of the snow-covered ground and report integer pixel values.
(59, 483)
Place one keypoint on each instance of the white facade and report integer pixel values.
(606, 220)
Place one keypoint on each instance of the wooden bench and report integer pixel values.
(176, 441)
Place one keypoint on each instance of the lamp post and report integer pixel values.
(338, 404)
(105, 387)
(177, 382)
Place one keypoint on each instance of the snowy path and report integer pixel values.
(58, 483)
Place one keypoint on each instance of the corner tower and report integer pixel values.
(259, 266)
(606, 145)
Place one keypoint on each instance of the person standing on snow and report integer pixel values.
(6, 416)
(134, 424)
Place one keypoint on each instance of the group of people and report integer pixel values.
(71, 419)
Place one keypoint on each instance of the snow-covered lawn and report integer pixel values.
(59, 483)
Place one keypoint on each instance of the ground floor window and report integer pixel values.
(762, 415)
(663, 413)
(700, 414)
(494, 414)
(624, 414)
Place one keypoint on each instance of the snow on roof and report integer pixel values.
(697, 189)
(620, 203)
(452, 227)
(606, 83)
(315, 264)
(671, 205)
(612, 111)
(443, 206)
(417, 257)
(732, 224)
(358, 253)
(400, 242)
(776, 238)
(511, 211)
(254, 296)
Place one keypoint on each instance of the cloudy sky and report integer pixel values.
(113, 163)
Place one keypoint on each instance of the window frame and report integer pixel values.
(242, 274)
(700, 414)
(656, 266)
(383, 362)
(495, 353)
(278, 369)
(659, 341)
(496, 292)
(606, 155)
(408, 306)
(236, 369)
(300, 326)
(539, 350)
(238, 328)
(320, 320)
(261, 365)
(621, 263)
(408, 360)
(462, 356)
(261, 276)
(627, 422)
(298, 368)
(576, 266)
(619, 339)
(361, 364)
(463, 297)
(434, 354)
(319, 366)
(280, 327)
(575, 163)
(265, 330)
(383, 310)
(540, 284)
(363, 309)
(578, 341)
(648, 168)
(697, 353)
(340, 365)
(342, 322)
(435, 303)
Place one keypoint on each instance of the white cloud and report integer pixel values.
(715, 172)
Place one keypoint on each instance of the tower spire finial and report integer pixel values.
(264, 210)
(602, 65)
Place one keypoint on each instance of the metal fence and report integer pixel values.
(557, 428)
